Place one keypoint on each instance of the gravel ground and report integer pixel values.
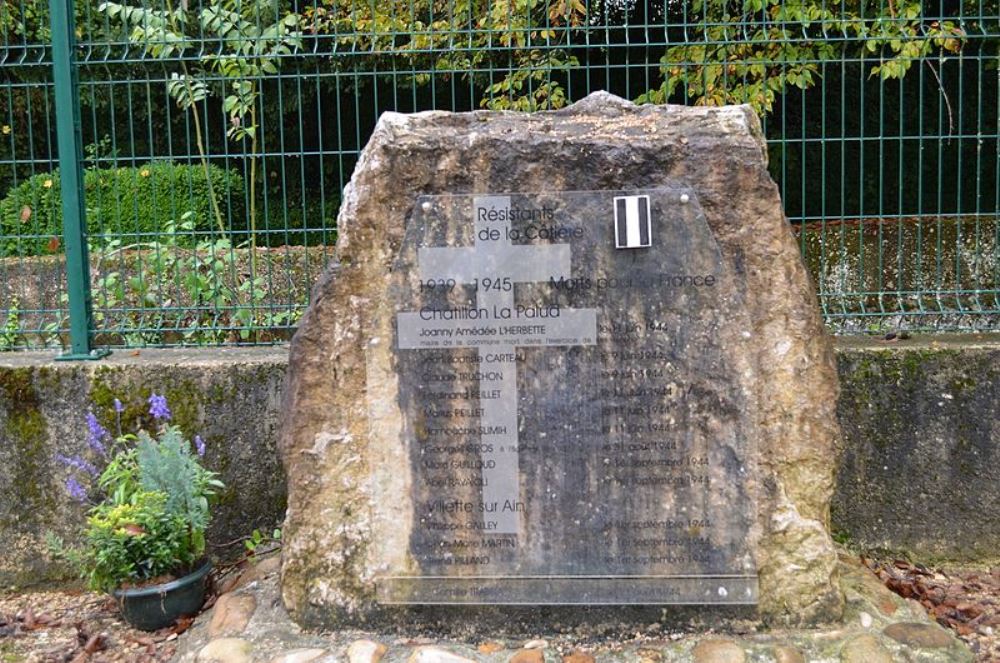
(56, 626)
(964, 600)
(66, 626)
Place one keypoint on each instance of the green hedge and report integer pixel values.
(120, 201)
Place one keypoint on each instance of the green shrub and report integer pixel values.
(149, 505)
(120, 201)
(289, 224)
(134, 542)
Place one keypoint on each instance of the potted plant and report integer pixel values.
(144, 541)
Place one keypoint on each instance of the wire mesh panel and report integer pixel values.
(218, 136)
(32, 269)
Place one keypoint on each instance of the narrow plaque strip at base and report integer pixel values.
(567, 590)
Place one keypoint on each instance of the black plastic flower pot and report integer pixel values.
(157, 606)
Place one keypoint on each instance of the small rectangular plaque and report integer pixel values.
(633, 224)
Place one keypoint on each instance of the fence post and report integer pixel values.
(69, 143)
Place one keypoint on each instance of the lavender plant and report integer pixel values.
(150, 505)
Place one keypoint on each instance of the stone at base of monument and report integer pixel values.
(877, 626)
(566, 358)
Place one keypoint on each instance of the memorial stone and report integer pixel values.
(566, 358)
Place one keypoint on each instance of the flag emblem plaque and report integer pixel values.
(632, 223)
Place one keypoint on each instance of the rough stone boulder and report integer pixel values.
(340, 401)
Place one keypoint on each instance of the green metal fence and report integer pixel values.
(215, 138)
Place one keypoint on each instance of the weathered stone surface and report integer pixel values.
(865, 649)
(341, 397)
(226, 650)
(365, 651)
(231, 614)
(578, 657)
(718, 651)
(490, 647)
(916, 634)
(858, 578)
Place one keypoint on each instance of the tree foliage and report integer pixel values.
(357, 58)
(252, 40)
(525, 42)
(751, 51)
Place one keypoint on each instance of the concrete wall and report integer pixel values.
(231, 397)
(921, 463)
(920, 469)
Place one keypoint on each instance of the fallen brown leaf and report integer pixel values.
(182, 624)
(95, 643)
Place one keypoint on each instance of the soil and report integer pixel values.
(164, 578)
(158, 580)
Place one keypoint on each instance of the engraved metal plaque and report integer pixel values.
(574, 430)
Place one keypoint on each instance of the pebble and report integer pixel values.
(866, 620)
(528, 656)
(916, 634)
(490, 647)
(299, 656)
(578, 657)
(865, 649)
(365, 651)
(231, 614)
(535, 644)
(260, 570)
(886, 606)
(718, 651)
(226, 650)
(436, 655)
(788, 654)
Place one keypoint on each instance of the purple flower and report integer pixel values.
(75, 490)
(119, 408)
(77, 463)
(96, 434)
(199, 445)
(158, 407)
